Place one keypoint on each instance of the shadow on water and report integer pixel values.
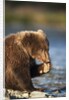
(56, 79)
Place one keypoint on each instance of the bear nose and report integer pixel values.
(48, 62)
(47, 58)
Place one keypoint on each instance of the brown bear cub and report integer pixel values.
(21, 50)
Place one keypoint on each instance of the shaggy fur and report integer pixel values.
(20, 51)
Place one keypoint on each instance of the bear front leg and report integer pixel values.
(37, 70)
(23, 78)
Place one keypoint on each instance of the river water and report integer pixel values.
(56, 78)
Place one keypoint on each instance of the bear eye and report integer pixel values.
(46, 49)
(42, 49)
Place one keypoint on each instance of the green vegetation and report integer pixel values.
(31, 15)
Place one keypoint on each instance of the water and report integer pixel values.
(56, 79)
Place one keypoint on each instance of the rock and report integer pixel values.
(6, 98)
(56, 92)
(25, 95)
(37, 94)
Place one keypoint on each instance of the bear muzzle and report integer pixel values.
(45, 67)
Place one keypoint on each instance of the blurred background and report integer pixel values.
(51, 18)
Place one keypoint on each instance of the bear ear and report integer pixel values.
(41, 33)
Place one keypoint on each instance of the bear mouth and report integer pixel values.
(38, 62)
(45, 67)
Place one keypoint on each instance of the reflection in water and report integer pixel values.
(56, 79)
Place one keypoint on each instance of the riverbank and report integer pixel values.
(11, 94)
(30, 14)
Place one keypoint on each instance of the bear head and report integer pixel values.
(36, 45)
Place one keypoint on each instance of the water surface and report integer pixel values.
(56, 79)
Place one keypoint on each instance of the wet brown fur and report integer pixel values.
(19, 62)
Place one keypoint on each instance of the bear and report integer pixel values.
(21, 50)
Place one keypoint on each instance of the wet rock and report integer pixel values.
(16, 94)
(37, 94)
(6, 98)
(24, 94)
(56, 92)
